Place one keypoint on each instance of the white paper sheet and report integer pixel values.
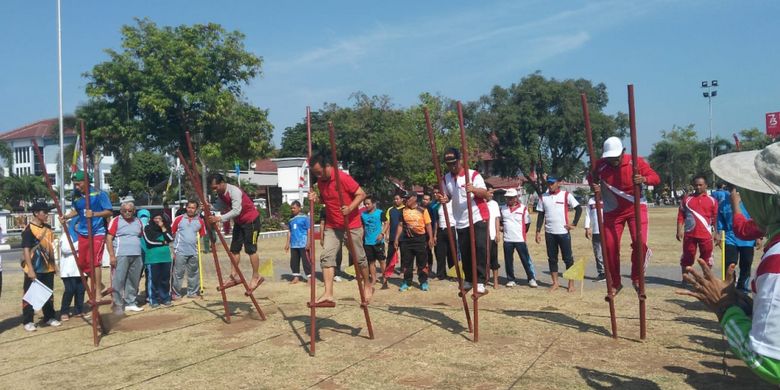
(37, 294)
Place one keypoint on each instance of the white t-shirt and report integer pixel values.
(68, 267)
(555, 207)
(590, 217)
(442, 223)
(514, 220)
(456, 191)
(495, 213)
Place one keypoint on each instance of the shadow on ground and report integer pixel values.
(604, 380)
(559, 319)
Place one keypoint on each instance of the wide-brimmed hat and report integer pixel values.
(756, 170)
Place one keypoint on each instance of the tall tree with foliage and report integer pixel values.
(540, 119)
(27, 188)
(146, 175)
(167, 80)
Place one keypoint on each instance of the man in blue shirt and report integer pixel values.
(100, 208)
(373, 238)
(738, 251)
(297, 238)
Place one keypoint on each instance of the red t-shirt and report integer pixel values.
(329, 197)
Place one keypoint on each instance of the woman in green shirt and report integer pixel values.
(157, 239)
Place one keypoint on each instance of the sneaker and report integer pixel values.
(480, 288)
(511, 283)
(53, 322)
(30, 327)
(154, 305)
(424, 286)
(532, 283)
(166, 304)
(466, 285)
(404, 287)
(337, 279)
(134, 308)
(600, 278)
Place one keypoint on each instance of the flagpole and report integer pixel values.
(61, 170)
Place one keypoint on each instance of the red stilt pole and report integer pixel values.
(640, 240)
(347, 233)
(66, 232)
(206, 207)
(209, 227)
(608, 259)
(472, 236)
(313, 277)
(450, 230)
(90, 251)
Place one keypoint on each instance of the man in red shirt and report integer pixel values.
(695, 220)
(333, 234)
(614, 179)
(235, 204)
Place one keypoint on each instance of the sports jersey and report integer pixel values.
(414, 221)
(299, 230)
(372, 226)
(617, 183)
(514, 220)
(455, 189)
(127, 236)
(698, 213)
(556, 210)
(442, 224)
(98, 201)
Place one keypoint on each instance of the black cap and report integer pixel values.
(407, 194)
(451, 155)
(39, 206)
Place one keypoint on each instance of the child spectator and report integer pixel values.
(71, 280)
(297, 238)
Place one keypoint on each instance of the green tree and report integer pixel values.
(540, 120)
(167, 80)
(22, 188)
(753, 139)
(146, 176)
(681, 155)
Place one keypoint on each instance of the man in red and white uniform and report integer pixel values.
(516, 221)
(455, 188)
(695, 220)
(614, 178)
(235, 204)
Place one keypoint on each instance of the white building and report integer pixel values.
(25, 161)
(292, 175)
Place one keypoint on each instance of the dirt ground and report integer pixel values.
(529, 338)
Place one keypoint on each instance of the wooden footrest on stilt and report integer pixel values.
(324, 304)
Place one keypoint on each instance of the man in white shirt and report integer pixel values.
(592, 233)
(553, 208)
(455, 188)
(516, 220)
(494, 230)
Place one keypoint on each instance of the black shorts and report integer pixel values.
(374, 252)
(245, 235)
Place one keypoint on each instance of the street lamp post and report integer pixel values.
(711, 93)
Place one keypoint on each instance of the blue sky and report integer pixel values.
(318, 51)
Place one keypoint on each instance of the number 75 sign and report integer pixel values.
(773, 124)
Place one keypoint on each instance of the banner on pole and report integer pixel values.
(773, 124)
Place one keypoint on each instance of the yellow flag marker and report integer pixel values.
(267, 269)
(577, 272)
(452, 272)
(350, 270)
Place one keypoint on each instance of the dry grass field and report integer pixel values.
(529, 338)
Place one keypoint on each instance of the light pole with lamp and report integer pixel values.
(711, 93)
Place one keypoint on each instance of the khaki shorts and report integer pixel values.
(333, 239)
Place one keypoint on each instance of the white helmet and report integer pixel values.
(613, 147)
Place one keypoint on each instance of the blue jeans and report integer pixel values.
(555, 241)
(525, 259)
